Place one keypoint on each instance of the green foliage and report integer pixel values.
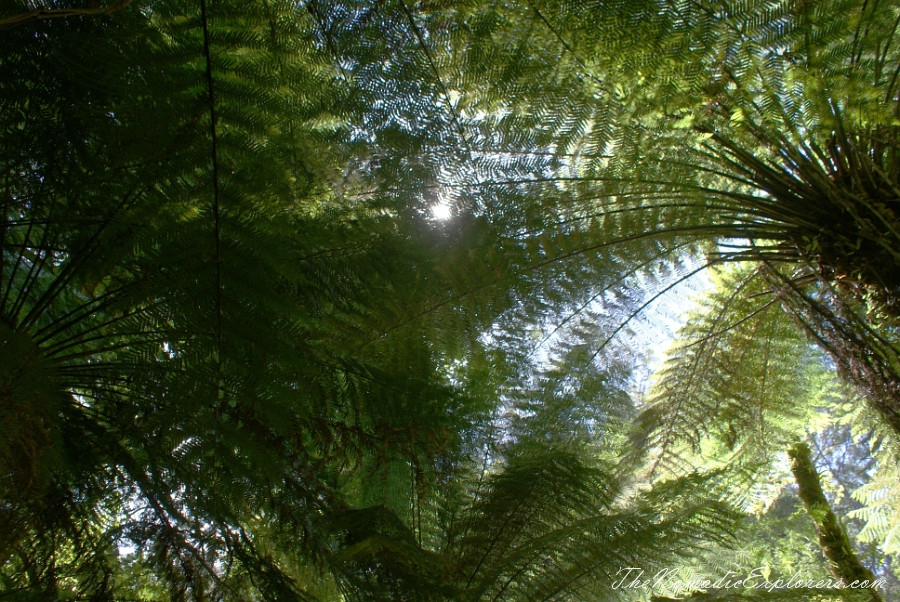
(740, 385)
(879, 507)
(765, 128)
(185, 313)
(241, 357)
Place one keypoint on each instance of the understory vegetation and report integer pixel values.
(451, 300)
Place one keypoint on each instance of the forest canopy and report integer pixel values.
(366, 300)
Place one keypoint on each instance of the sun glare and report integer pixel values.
(441, 211)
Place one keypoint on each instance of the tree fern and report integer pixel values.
(161, 338)
(535, 509)
(235, 340)
(680, 123)
(736, 376)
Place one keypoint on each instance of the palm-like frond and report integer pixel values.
(741, 380)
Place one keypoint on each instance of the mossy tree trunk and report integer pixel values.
(833, 538)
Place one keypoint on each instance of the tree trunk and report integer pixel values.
(833, 538)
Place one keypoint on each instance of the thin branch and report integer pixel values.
(43, 14)
(566, 45)
(603, 291)
(431, 64)
(211, 97)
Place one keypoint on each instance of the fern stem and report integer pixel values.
(42, 14)
(214, 140)
(431, 64)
